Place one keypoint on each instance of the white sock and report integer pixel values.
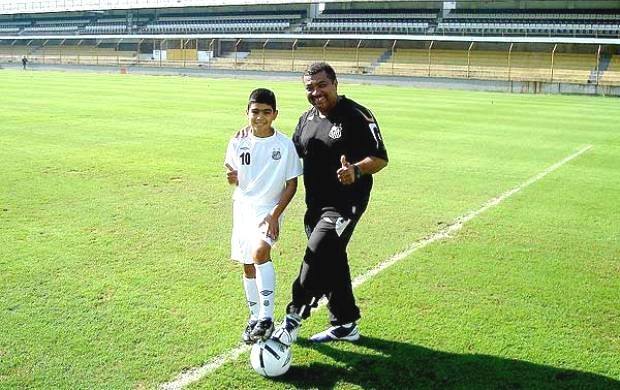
(251, 295)
(266, 284)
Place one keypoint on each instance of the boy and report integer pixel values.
(264, 167)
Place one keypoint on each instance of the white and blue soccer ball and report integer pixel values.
(270, 358)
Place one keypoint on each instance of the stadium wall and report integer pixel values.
(525, 87)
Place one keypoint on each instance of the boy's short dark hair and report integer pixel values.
(263, 96)
(318, 67)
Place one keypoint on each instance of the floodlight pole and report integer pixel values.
(468, 60)
(264, 45)
(598, 63)
(293, 55)
(60, 51)
(28, 44)
(78, 56)
(325, 50)
(509, 61)
(212, 50)
(553, 60)
(237, 51)
(429, 57)
(182, 50)
(393, 53)
(44, 43)
(160, 54)
(97, 43)
(138, 51)
(187, 45)
(118, 47)
(357, 55)
(183, 43)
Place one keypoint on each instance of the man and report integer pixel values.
(341, 147)
(263, 167)
(24, 62)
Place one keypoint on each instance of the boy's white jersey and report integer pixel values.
(263, 165)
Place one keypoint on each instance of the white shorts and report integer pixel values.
(246, 232)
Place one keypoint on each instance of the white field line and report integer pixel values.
(195, 374)
(460, 221)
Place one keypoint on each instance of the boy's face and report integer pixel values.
(261, 116)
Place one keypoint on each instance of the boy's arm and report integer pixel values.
(287, 195)
(229, 162)
(231, 175)
(273, 225)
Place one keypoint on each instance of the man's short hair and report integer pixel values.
(318, 67)
(263, 96)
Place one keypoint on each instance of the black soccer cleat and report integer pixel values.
(247, 333)
(262, 330)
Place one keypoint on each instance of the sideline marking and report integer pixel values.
(195, 374)
(460, 221)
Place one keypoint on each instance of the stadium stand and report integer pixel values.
(214, 27)
(144, 37)
(540, 23)
(194, 24)
(347, 60)
(490, 65)
(392, 22)
(116, 28)
(364, 19)
(250, 23)
(611, 76)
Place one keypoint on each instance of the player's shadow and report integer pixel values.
(392, 365)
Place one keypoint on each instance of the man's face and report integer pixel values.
(322, 92)
(261, 116)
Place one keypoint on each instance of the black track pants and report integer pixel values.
(325, 268)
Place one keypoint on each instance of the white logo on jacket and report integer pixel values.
(336, 131)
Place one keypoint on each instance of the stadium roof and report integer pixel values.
(42, 6)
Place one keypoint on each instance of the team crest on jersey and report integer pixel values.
(276, 155)
(244, 145)
(336, 131)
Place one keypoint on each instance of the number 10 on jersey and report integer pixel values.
(245, 158)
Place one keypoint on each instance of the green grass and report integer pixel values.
(115, 224)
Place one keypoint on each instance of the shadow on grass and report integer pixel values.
(394, 365)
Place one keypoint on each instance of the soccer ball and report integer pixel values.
(270, 358)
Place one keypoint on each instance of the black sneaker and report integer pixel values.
(262, 330)
(336, 333)
(246, 336)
